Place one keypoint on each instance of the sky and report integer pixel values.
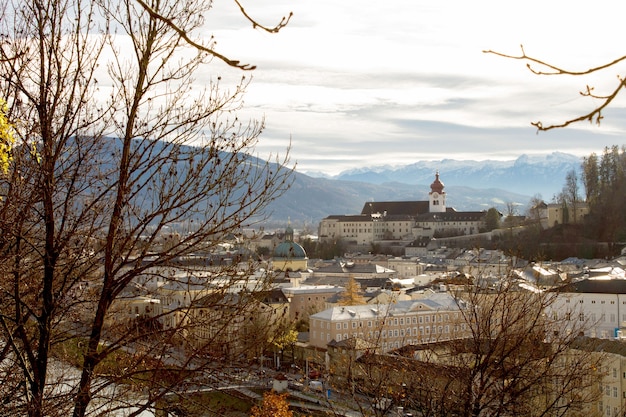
(365, 83)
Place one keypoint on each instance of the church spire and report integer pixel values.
(437, 197)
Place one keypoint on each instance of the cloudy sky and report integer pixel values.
(362, 83)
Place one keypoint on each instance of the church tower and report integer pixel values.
(437, 197)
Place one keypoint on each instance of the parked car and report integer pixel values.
(316, 386)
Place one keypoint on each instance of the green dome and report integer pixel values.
(289, 250)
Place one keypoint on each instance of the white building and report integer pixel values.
(597, 304)
(402, 220)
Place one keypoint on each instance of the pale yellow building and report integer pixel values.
(390, 326)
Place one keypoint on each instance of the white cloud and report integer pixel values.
(369, 82)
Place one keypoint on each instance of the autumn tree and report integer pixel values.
(352, 294)
(7, 139)
(273, 405)
(122, 167)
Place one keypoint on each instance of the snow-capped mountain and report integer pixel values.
(529, 175)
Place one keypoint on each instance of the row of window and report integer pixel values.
(607, 410)
(395, 321)
(592, 317)
(567, 300)
(393, 333)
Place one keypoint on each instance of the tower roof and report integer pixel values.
(289, 250)
(437, 185)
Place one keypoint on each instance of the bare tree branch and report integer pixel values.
(594, 115)
(183, 34)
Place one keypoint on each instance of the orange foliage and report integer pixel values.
(273, 405)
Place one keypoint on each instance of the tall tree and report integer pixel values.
(116, 148)
(492, 219)
(590, 177)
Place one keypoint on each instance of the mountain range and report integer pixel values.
(470, 186)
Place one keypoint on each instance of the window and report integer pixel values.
(354, 324)
(338, 326)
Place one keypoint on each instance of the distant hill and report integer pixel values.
(470, 185)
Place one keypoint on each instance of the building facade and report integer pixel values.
(390, 326)
(595, 305)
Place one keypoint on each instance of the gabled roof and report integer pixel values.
(438, 301)
(595, 286)
(350, 217)
(339, 268)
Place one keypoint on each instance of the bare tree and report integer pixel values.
(518, 360)
(122, 168)
(541, 67)
(509, 354)
(569, 198)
